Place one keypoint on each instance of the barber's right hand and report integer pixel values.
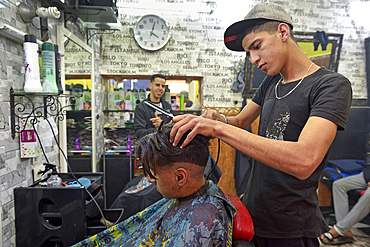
(210, 114)
(197, 125)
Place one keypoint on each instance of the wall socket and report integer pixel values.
(35, 174)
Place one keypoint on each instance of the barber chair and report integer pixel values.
(243, 228)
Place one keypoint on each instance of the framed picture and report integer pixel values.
(323, 49)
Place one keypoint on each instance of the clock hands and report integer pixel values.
(152, 33)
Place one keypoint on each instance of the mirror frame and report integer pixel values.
(62, 32)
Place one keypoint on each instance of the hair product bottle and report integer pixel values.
(32, 82)
(48, 65)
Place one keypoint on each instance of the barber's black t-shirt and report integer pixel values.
(283, 206)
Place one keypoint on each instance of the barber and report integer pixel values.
(301, 107)
(146, 118)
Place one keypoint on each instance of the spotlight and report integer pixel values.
(27, 13)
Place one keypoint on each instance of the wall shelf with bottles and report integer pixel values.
(28, 108)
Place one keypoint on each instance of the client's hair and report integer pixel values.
(155, 149)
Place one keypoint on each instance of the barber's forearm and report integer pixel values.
(274, 153)
(298, 159)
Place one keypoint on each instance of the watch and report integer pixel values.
(151, 33)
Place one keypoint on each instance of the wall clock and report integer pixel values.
(151, 33)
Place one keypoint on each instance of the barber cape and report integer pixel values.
(201, 219)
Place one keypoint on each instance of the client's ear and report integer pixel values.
(181, 176)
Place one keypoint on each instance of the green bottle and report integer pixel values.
(128, 104)
(135, 97)
(167, 94)
(48, 65)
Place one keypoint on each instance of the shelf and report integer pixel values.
(29, 111)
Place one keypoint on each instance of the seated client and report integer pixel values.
(193, 212)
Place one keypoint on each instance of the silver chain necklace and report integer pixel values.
(293, 88)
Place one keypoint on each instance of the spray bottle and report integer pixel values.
(78, 144)
(54, 180)
(129, 148)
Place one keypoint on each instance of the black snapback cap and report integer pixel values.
(263, 11)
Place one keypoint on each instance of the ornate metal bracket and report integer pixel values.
(31, 113)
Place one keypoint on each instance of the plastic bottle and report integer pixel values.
(121, 93)
(87, 99)
(141, 94)
(48, 65)
(128, 104)
(173, 103)
(54, 180)
(32, 82)
(81, 99)
(87, 94)
(147, 92)
(75, 95)
(111, 103)
(116, 99)
(167, 95)
(46, 86)
(182, 101)
(135, 97)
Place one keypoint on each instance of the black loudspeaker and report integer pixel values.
(117, 173)
(79, 163)
(47, 216)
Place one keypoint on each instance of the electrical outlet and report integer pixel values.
(35, 174)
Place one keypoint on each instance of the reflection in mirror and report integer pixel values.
(174, 86)
(130, 90)
(77, 132)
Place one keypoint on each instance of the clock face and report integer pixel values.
(151, 33)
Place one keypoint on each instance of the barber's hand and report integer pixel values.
(368, 184)
(156, 120)
(198, 125)
(210, 114)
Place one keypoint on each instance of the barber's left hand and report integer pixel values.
(156, 120)
(198, 125)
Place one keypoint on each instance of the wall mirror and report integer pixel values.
(118, 119)
(77, 68)
(176, 84)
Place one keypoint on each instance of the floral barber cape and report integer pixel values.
(201, 219)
